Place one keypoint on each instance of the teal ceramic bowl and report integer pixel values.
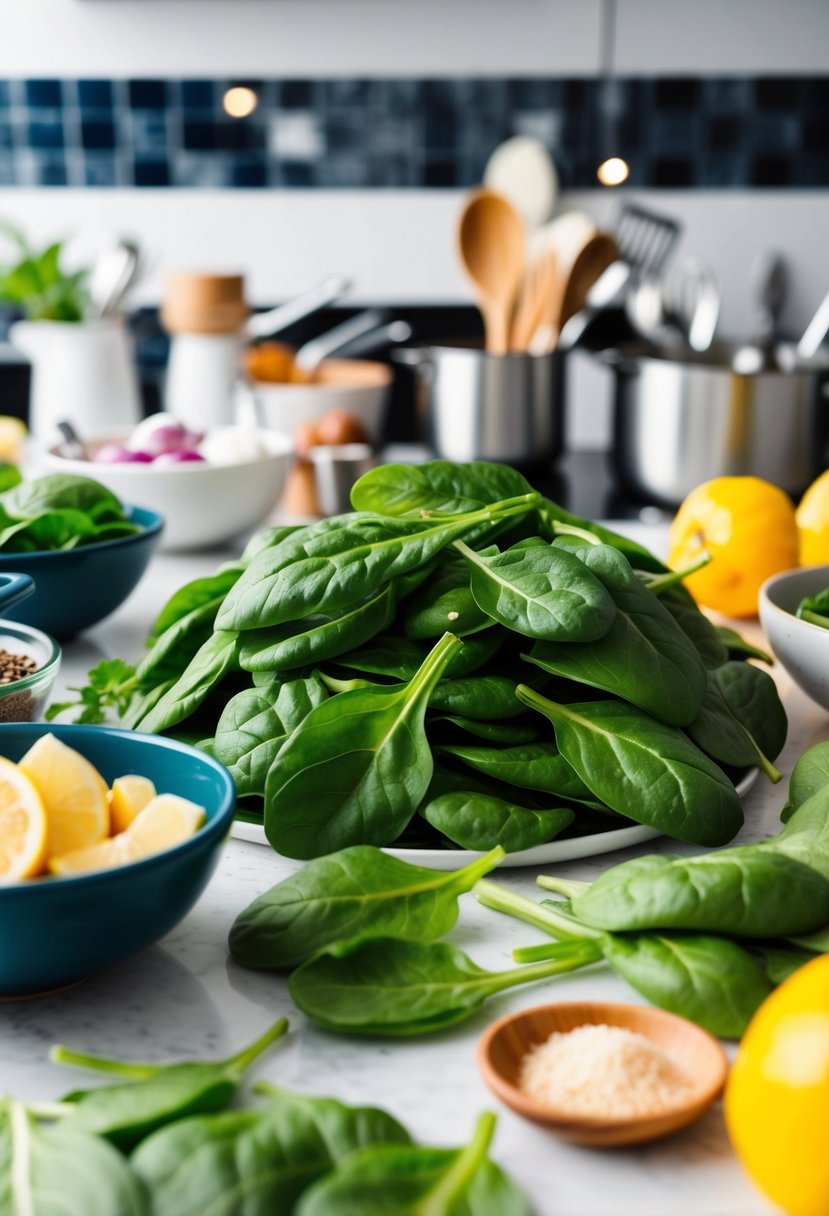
(76, 588)
(56, 931)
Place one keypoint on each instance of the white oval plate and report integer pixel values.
(542, 854)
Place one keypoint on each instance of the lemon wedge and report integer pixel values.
(22, 825)
(166, 821)
(128, 796)
(73, 793)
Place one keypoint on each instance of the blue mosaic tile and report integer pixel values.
(677, 132)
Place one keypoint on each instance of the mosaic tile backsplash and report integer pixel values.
(705, 133)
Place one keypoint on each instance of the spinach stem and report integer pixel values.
(23, 1200)
(491, 895)
(119, 1068)
(814, 618)
(433, 667)
(237, 1065)
(537, 954)
(463, 1167)
(662, 582)
(570, 888)
(562, 529)
(468, 875)
(559, 959)
(50, 1110)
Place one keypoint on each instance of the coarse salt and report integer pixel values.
(599, 1070)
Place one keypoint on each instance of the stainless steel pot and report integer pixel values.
(679, 421)
(477, 406)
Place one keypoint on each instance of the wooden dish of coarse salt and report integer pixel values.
(603, 1074)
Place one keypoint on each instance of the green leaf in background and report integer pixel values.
(742, 721)
(38, 285)
(479, 821)
(439, 487)
(212, 661)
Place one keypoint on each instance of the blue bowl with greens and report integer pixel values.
(77, 587)
(59, 930)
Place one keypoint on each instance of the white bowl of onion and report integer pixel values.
(210, 488)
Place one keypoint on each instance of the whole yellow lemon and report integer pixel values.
(777, 1096)
(748, 527)
(812, 517)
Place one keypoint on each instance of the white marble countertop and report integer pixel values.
(184, 997)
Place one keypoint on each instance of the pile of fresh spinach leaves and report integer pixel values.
(162, 1142)
(59, 511)
(386, 674)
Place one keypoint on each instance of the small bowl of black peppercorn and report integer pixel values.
(29, 664)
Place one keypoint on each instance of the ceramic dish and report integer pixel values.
(570, 849)
(204, 504)
(701, 1058)
(59, 930)
(357, 385)
(76, 588)
(799, 646)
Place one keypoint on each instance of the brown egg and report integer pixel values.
(306, 437)
(340, 426)
(270, 362)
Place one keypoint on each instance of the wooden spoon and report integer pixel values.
(536, 290)
(570, 296)
(492, 242)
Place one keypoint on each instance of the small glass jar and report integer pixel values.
(25, 700)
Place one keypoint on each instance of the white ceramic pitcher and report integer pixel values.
(84, 372)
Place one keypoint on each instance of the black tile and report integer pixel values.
(723, 132)
(297, 173)
(533, 94)
(440, 93)
(671, 171)
(42, 94)
(95, 94)
(812, 170)
(46, 134)
(5, 99)
(677, 93)
(770, 171)
(98, 134)
(344, 131)
(439, 173)
(439, 128)
(815, 93)
(338, 93)
(147, 94)
(240, 135)
(198, 94)
(777, 92)
(578, 94)
(151, 173)
(198, 136)
(147, 132)
(296, 94)
(395, 97)
(815, 133)
(249, 171)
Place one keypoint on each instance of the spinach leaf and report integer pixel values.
(10, 476)
(178, 645)
(781, 961)
(742, 720)
(551, 515)
(540, 591)
(806, 835)
(644, 658)
(711, 980)
(254, 725)
(738, 647)
(155, 1094)
(438, 486)
(815, 609)
(706, 637)
(61, 492)
(194, 595)
(358, 891)
(414, 1180)
(55, 1170)
(485, 698)
(809, 775)
(742, 892)
(213, 660)
(445, 602)
(399, 658)
(356, 769)
(529, 766)
(491, 732)
(648, 771)
(332, 567)
(269, 538)
(480, 821)
(317, 638)
(387, 986)
(256, 1162)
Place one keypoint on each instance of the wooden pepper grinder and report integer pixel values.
(205, 314)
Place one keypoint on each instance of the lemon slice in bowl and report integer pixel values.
(73, 792)
(166, 821)
(127, 798)
(22, 825)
